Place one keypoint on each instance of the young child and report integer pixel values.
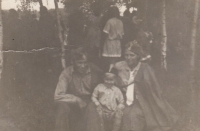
(110, 103)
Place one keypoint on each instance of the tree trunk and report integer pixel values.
(59, 29)
(40, 2)
(164, 37)
(1, 42)
(194, 92)
(146, 4)
(194, 35)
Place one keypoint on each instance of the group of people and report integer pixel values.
(126, 97)
(108, 34)
(105, 34)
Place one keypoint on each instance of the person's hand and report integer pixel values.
(99, 108)
(119, 111)
(71, 98)
(81, 103)
(125, 82)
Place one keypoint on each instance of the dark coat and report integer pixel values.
(159, 115)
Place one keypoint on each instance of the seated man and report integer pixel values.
(73, 92)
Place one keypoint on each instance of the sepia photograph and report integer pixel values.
(99, 65)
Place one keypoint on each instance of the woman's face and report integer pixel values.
(131, 58)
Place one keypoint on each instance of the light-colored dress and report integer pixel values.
(115, 31)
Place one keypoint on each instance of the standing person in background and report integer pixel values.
(145, 39)
(76, 29)
(142, 36)
(136, 21)
(93, 37)
(128, 28)
(114, 32)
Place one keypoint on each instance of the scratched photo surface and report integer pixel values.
(99, 65)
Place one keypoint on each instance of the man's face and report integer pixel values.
(81, 66)
(131, 58)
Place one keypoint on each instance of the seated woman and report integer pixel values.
(145, 108)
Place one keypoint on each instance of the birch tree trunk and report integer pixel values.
(1, 42)
(194, 93)
(40, 2)
(59, 29)
(194, 35)
(164, 37)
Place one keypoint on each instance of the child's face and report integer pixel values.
(109, 82)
